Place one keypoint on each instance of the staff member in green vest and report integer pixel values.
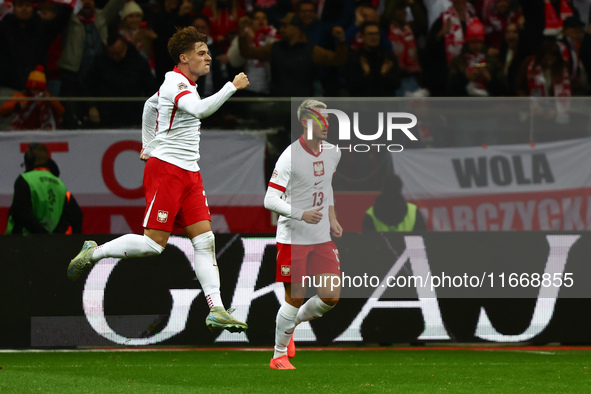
(391, 212)
(41, 203)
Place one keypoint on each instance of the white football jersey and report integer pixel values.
(173, 134)
(306, 181)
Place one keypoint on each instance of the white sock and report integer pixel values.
(206, 268)
(126, 246)
(284, 328)
(312, 309)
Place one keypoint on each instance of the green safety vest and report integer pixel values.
(407, 224)
(48, 194)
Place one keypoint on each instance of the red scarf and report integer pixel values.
(553, 22)
(264, 35)
(86, 20)
(471, 62)
(405, 47)
(34, 115)
(454, 40)
(538, 86)
(495, 24)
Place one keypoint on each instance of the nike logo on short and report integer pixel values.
(289, 333)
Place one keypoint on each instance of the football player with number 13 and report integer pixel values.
(300, 191)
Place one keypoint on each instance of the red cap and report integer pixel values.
(475, 31)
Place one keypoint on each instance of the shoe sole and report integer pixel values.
(72, 273)
(214, 326)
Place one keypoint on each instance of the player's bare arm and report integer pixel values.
(335, 228)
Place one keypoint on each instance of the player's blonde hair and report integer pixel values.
(309, 103)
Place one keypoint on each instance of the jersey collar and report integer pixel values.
(41, 169)
(307, 148)
(176, 70)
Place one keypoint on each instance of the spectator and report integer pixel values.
(48, 13)
(120, 72)
(41, 203)
(24, 42)
(84, 40)
(445, 42)
(372, 71)
(473, 73)
(336, 12)
(34, 114)
(136, 32)
(585, 50)
(165, 22)
(293, 59)
(415, 16)
(544, 18)
(365, 13)
(224, 16)
(328, 79)
(259, 72)
(316, 31)
(544, 74)
(274, 9)
(511, 56)
(569, 44)
(391, 212)
(496, 16)
(405, 48)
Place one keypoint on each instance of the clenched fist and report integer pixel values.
(338, 33)
(241, 81)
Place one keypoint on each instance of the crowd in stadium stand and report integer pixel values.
(358, 48)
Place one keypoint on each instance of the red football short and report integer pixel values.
(296, 261)
(173, 195)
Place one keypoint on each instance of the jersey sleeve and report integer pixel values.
(202, 108)
(149, 118)
(282, 172)
(278, 185)
(275, 203)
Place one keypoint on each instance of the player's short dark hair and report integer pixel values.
(183, 41)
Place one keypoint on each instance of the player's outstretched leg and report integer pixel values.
(281, 363)
(291, 349)
(82, 262)
(126, 246)
(221, 319)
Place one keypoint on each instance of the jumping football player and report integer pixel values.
(173, 187)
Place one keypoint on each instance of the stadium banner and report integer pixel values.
(491, 287)
(103, 171)
(545, 186)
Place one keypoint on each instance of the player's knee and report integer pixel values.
(330, 301)
(294, 301)
(204, 242)
(152, 247)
